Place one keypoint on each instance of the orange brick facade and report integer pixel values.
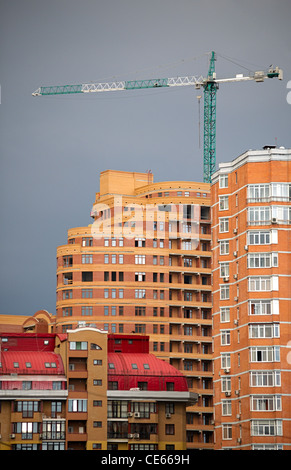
(144, 266)
(251, 218)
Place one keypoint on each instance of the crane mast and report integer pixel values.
(210, 85)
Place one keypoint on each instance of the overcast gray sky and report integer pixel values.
(53, 148)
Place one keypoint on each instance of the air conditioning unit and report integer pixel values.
(274, 220)
(226, 278)
(237, 416)
(235, 230)
(239, 440)
(227, 394)
(235, 253)
(236, 299)
(226, 371)
(235, 322)
(136, 436)
(129, 414)
(130, 436)
(168, 415)
(246, 247)
(235, 276)
(12, 436)
(237, 392)
(137, 414)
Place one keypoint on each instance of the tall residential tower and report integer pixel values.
(251, 242)
(144, 266)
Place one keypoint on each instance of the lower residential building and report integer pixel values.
(33, 393)
(89, 390)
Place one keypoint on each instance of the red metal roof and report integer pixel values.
(129, 369)
(31, 363)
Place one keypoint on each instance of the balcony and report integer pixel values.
(77, 437)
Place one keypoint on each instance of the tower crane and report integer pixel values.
(210, 84)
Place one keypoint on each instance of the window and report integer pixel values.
(170, 429)
(97, 382)
(223, 203)
(67, 294)
(140, 311)
(266, 427)
(225, 360)
(265, 354)
(187, 245)
(224, 247)
(87, 310)
(67, 261)
(139, 328)
(140, 293)
(263, 307)
(68, 278)
(226, 407)
(262, 260)
(223, 225)
(78, 345)
(77, 406)
(281, 191)
(223, 181)
(225, 337)
(264, 330)
(224, 292)
(87, 241)
(258, 192)
(226, 431)
(142, 385)
(140, 277)
(87, 259)
(225, 384)
(139, 259)
(263, 283)
(259, 215)
(87, 293)
(265, 378)
(97, 402)
(260, 237)
(106, 259)
(224, 269)
(140, 242)
(266, 403)
(67, 311)
(87, 276)
(224, 314)
(281, 214)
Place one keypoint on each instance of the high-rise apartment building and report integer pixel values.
(251, 242)
(144, 266)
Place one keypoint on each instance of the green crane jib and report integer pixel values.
(210, 85)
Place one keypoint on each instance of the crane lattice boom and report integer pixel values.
(210, 85)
